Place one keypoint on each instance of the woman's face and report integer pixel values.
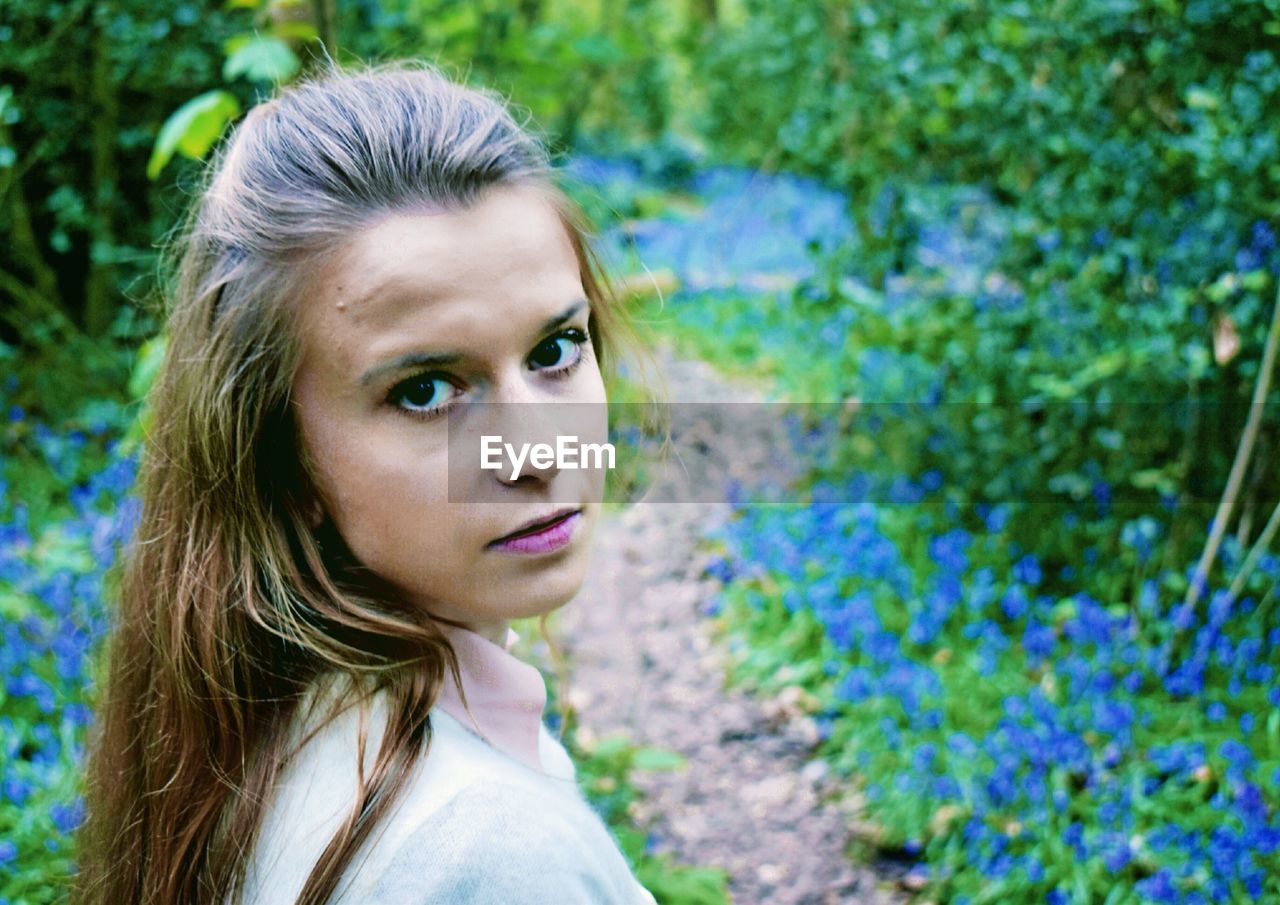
(494, 297)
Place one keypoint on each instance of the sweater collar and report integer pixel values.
(507, 696)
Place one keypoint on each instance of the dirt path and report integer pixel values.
(641, 659)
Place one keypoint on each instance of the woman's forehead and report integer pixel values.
(499, 268)
(513, 236)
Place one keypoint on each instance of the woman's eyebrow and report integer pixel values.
(559, 319)
(411, 360)
(429, 359)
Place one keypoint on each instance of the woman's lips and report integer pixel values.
(544, 540)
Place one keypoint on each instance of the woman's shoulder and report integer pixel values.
(318, 787)
(503, 842)
(480, 827)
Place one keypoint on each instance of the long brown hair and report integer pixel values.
(230, 604)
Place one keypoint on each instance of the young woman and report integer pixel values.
(310, 695)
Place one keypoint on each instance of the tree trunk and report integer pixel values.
(530, 11)
(22, 236)
(326, 17)
(100, 290)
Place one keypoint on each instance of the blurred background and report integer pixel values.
(1045, 655)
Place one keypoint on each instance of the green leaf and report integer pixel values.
(193, 128)
(298, 31)
(1156, 478)
(657, 759)
(262, 59)
(147, 365)
(1255, 280)
(1199, 99)
(611, 746)
(14, 607)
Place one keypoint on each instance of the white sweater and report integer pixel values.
(475, 824)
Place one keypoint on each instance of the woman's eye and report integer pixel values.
(422, 394)
(560, 351)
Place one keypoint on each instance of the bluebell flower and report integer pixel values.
(1038, 639)
(1027, 570)
(1247, 259)
(994, 517)
(1014, 603)
(16, 790)
(1236, 753)
(1117, 857)
(1149, 597)
(857, 685)
(1159, 886)
(1000, 865)
(1074, 837)
(1249, 798)
(66, 817)
(1113, 717)
(1262, 238)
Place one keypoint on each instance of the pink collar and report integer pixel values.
(506, 695)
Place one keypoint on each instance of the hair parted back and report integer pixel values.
(231, 605)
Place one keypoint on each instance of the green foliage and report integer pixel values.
(260, 58)
(1126, 161)
(193, 128)
(604, 768)
(579, 68)
(88, 87)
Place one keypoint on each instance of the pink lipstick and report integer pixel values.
(548, 538)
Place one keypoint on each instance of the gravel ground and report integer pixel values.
(642, 659)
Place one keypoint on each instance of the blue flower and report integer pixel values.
(1014, 603)
(1117, 857)
(1184, 617)
(17, 790)
(1262, 238)
(1074, 837)
(1159, 886)
(857, 685)
(1038, 639)
(66, 817)
(1236, 754)
(1027, 570)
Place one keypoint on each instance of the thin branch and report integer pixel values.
(1260, 547)
(32, 303)
(1243, 453)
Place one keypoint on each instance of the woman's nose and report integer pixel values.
(530, 426)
